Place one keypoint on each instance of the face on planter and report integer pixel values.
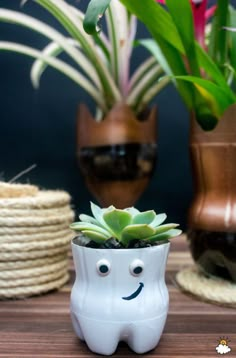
(120, 282)
(135, 268)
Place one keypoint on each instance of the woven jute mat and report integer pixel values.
(34, 240)
(207, 288)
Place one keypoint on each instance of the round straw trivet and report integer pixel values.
(34, 240)
(212, 289)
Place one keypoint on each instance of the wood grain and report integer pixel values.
(40, 327)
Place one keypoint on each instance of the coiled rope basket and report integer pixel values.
(34, 240)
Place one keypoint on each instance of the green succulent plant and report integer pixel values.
(124, 226)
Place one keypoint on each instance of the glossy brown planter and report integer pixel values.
(212, 216)
(117, 156)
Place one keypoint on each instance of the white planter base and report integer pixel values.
(102, 337)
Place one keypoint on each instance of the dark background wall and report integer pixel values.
(39, 127)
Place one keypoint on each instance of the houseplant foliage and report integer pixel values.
(208, 74)
(100, 63)
(199, 54)
(124, 228)
(119, 293)
(201, 63)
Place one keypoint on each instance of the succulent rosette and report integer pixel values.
(125, 227)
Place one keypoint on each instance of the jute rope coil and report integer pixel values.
(34, 240)
(36, 220)
(33, 281)
(34, 254)
(7, 213)
(35, 245)
(44, 199)
(25, 264)
(4, 230)
(8, 190)
(32, 272)
(25, 291)
(192, 280)
(6, 239)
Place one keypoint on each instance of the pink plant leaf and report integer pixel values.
(199, 8)
(210, 12)
(200, 16)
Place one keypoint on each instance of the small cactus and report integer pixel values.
(125, 226)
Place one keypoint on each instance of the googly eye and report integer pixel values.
(136, 267)
(103, 267)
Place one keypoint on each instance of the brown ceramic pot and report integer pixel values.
(117, 156)
(212, 216)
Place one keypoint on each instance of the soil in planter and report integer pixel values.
(215, 252)
(113, 243)
(118, 162)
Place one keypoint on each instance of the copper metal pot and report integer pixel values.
(212, 215)
(116, 156)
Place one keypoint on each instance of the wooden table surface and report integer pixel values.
(41, 327)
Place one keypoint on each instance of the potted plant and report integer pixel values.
(119, 292)
(199, 55)
(123, 126)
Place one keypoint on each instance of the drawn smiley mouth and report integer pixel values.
(135, 294)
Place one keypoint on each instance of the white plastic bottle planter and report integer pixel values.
(119, 295)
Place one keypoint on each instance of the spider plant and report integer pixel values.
(201, 63)
(100, 63)
(115, 228)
